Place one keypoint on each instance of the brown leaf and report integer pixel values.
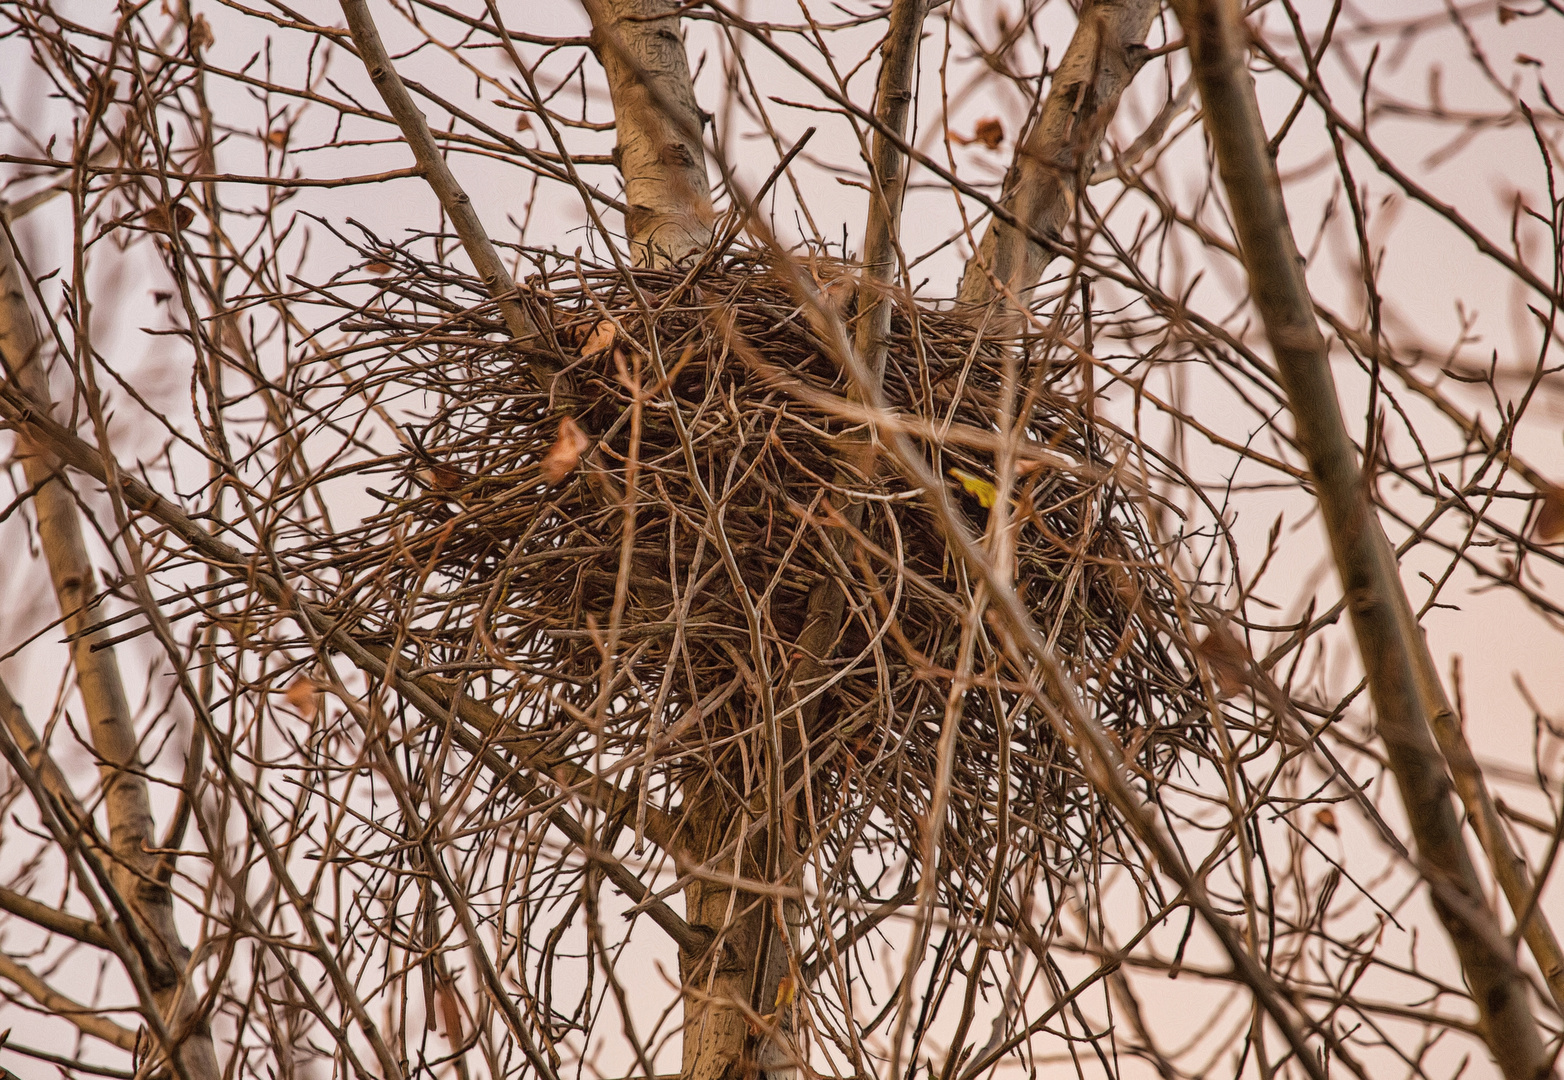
(200, 33)
(1549, 525)
(1529, 61)
(1507, 15)
(990, 132)
(599, 340)
(303, 696)
(158, 218)
(523, 122)
(443, 479)
(1325, 818)
(837, 292)
(566, 452)
(1227, 659)
(278, 137)
(378, 268)
(450, 1012)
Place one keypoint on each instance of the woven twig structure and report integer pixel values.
(481, 570)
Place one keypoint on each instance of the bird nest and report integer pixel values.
(542, 536)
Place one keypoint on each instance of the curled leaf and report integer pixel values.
(1549, 525)
(450, 1011)
(599, 340)
(442, 478)
(159, 218)
(1325, 818)
(378, 268)
(200, 36)
(980, 489)
(1227, 659)
(303, 696)
(565, 454)
(990, 132)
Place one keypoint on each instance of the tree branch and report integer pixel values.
(126, 802)
(1390, 642)
(86, 1020)
(456, 202)
(1060, 153)
(434, 701)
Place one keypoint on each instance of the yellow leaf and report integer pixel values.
(979, 488)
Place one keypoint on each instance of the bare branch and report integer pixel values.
(1392, 647)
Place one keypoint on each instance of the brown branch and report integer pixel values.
(456, 202)
(52, 919)
(827, 603)
(126, 802)
(428, 696)
(1060, 153)
(1389, 641)
(74, 1012)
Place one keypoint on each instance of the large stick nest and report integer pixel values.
(480, 570)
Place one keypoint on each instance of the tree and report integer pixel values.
(573, 626)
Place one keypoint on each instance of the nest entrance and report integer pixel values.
(482, 570)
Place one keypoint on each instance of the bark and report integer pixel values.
(745, 961)
(126, 805)
(1389, 641)
(1059, 154)
(1509, 867)
(658, 128)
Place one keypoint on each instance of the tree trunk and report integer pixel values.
(658, 125)
(1389, 640)
(1059, 153)
(134, 870)
(669, 219)
(746, 961)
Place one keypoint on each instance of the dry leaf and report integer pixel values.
(1529, 61)
(990, 132)
(303, 697)
(158, 219)
(200, 33)
(442, 478)
(278, 137)
(378, 269)
(599, 340)
(980, 489)
(523, 122)
(1507, 14)
(837, 292)
(450, 1012)
(1325, 818)
(445, 478)
(1549, 525)
(1227, 659)
(566, 452)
